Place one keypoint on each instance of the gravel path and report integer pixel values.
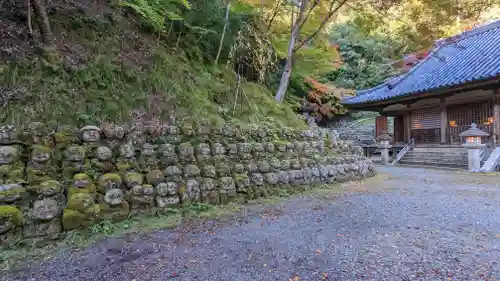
(429, 225)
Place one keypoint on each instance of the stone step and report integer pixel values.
(436, 158)
(462, 152)
(435, 149)
(435, 163)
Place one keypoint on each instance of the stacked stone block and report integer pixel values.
(62, 178)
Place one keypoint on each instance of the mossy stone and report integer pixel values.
(72, 219)
(80, 201)
(13, 213)
(109, 179)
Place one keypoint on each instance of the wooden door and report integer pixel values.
(399, 129)
(426, 125)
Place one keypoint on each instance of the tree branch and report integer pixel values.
(308, 14)
(323, 23)
(273, 15)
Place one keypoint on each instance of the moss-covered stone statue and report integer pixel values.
(131, 179)
(11, 167)
(126, 160)
(46, 208)
(11, 221)
(65, 136)
(102, 162)
(82, 183)
(167, 197)
(186, 153)
(141, 199)
(203, 154)
(91, 138)
(114, 134)
(82, 211)
(173, 134)
(9, 134)
(203, 130)
(168, 155)
(148, 159)
(74, 161)
(40, 168)
(37, 133)
(13, 200)
(112, 202)
(227, 190)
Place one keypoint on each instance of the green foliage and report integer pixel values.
(366, 59)
(155, 13)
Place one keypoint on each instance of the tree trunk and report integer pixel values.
(226, 22)
(287, 72)
(43, 23)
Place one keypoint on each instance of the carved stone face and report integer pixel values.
(8, 155)
(81, 181)
(257, 179)
(148, 150)
(218, 148)
(74, 153)
(7, 134)
(161, 189)
(103, 153)
(132, 179)
(167, 150)
(137, 190)
(203, 149)
(155, 177)
(41, 154)
(50, 188)
(186, 150)
(109, 181)
(127, 151)
(91, 134)
(114, 197)
(148, 190)
(46, 209)
(112, 131)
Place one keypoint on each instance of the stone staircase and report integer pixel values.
(446, 157)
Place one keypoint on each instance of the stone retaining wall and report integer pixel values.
(57, 179)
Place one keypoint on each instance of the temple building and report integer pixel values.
(457, 84)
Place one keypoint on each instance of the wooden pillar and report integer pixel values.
(407, 122)
(496, 115)
(444, 121)
(380, 125)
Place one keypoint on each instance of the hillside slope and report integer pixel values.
(109, 69)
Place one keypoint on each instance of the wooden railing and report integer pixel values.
(408, 147)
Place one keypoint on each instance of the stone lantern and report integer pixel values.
(474, 145)
(384, 144)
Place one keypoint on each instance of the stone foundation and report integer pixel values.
(57, 179)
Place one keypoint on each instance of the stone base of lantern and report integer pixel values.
(384, 152)
(474, 156)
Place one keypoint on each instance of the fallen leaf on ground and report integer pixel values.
(295, 278)
(324, 275)
(211, 232)
(317, 252)
(340, 235)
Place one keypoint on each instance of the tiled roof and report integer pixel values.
(471, 56)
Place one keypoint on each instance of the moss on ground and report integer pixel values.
(106, 81)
